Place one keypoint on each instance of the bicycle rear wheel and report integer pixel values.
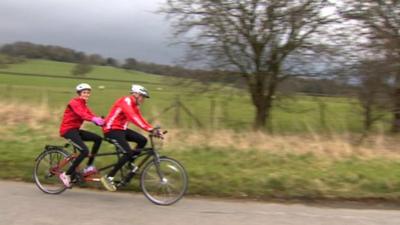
(48, 166)
(164, 183)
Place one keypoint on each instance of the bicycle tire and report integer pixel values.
(167, 190)
(45, 179)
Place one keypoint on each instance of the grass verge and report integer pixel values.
(228, 164)
(252, 174)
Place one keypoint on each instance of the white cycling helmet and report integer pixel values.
(83, 86)
(140, 90)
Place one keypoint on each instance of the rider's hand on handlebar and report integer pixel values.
(156, 132)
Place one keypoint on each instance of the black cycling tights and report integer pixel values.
(76, 137)
(121, 138)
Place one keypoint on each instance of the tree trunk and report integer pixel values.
(367, 117)
(263, 105)
(396, 104)
(396, 111)
(262, 112)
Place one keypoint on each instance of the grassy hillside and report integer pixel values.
(46, 67)
(232, 107)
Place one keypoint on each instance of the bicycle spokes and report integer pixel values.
(47, 169)
(165, 182)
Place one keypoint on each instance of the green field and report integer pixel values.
(36, 105)
(232, 107)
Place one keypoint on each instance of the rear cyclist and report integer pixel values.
(75, 114)
(124, 110)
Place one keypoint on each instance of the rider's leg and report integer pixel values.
(76, 140)
(89, 136)
(119, 139)
(134, 136)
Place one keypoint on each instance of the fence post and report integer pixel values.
(177, 118)
(322, 112)
(212, 112)
(225, 111)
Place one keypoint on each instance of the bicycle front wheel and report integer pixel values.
(49, 165)
(164, 183)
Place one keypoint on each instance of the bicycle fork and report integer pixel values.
(157, 161)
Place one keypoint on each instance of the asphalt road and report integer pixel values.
(22, 203)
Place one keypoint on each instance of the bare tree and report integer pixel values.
(130, 64)
(254, 37)
(112, 62)
(380, 24)
(371, 91)
(82, 68)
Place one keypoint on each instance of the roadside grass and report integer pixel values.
(264, 175)
(250, 174)
(334, 146)
(232, 164)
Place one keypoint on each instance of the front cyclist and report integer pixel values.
(124, 110)
(74, 115)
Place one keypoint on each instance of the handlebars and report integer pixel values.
(156, 132)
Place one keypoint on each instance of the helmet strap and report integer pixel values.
(136, 98)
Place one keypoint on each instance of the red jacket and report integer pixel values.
(74, 115)
(123, 111)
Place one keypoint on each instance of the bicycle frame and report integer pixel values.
(163, 180)
(147, 152)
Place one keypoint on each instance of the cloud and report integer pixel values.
(119, 28)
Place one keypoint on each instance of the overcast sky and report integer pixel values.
(112, 28)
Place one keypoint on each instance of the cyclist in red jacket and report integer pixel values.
(124, 110)
(74, 115)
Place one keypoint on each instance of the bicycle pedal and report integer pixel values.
(77, 178)
(132, 167)
(120, 184)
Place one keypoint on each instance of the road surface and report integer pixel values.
(24, 204)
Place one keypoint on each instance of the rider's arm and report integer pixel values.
(140, 117)
(81, 110)
(133, 114)
(90, 112)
